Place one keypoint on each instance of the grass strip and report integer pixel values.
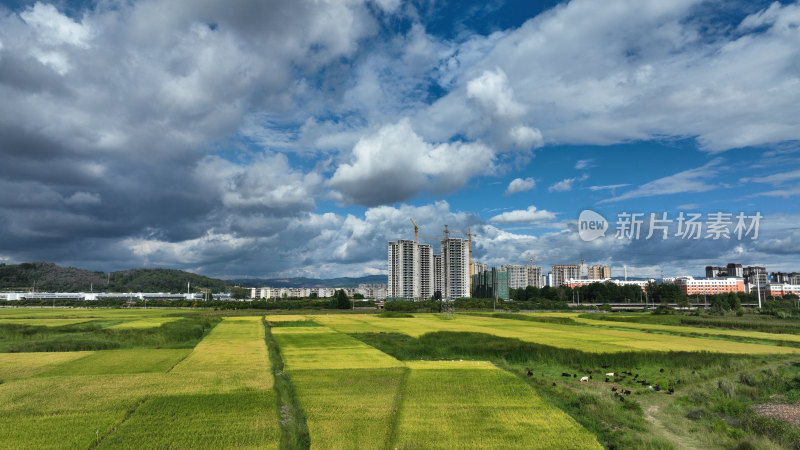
(294, 430)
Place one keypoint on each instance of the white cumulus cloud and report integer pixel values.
(395, 164)
(520, 185)
(529, 215)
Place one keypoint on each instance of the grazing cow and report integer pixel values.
(564, 374)
(590, 377)
(610, 374)
(671, 391)
(554, 384)
(586, 379)
(621, 398)
(661, 370)
(530, 374)
(627, 392)
(605, 367)
(574, 375)
(606, 380)
(614, 389)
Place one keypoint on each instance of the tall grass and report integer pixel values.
(184, 333)
(480, 346)
(541, 319)
(294, 430)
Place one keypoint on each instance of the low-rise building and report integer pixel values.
(710, 286)
(780, 289)
(372, 291)
(642, 284)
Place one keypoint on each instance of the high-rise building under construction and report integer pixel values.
(415, 272)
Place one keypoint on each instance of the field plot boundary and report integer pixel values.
(117, 426)
(291, 417)
(397, 405)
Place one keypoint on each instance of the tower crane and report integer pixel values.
(417, 235)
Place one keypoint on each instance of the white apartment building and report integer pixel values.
(292, 292)
(411, 270)
(415, 272)
(426, 272)
(535, 277)
(455, 268)
(403, 269)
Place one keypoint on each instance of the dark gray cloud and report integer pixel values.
(173, 132)
(109, 114)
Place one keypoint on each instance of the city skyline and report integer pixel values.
(279, 139)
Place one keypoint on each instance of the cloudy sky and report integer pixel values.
(295, 138)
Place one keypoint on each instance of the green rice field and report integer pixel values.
(192, 379)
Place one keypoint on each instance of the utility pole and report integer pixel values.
(758, 287)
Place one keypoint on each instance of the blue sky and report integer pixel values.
(295, 138)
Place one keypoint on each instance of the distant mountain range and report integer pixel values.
(310, 282)
(45, 276)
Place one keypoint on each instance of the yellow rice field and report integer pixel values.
(589, 339)
(219, 396)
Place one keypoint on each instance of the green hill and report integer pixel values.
(44, 276)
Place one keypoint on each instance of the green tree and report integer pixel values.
(340, 300)
(733, 301)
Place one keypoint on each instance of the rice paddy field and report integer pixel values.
(193, 379)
